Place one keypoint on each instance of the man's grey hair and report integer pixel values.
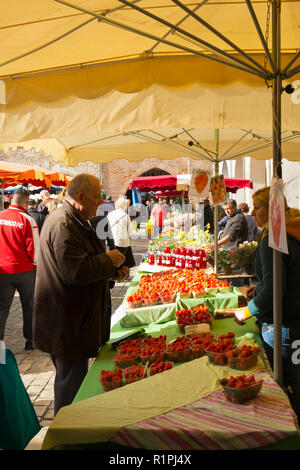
(121, 203)
(44, 194)
(231, 202)
(81, 184)
(20, 197)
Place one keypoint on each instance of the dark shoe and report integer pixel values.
(28, 346)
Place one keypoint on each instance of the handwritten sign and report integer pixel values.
(218, 189)
(200, 183)
(277, 228)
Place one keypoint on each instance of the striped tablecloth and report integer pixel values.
(214, 423)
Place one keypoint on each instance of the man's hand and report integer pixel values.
(117, 257)
(250, 292)
(122, 274)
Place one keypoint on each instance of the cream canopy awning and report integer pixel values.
(92, 81)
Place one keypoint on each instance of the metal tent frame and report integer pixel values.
(235, 57)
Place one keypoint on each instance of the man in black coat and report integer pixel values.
(39, 217)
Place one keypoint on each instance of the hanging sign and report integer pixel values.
(200, 183)
(218, 190)
(277, 228)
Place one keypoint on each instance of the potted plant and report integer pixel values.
(225, 260)
(243, 255)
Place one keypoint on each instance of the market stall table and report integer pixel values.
(183, 408)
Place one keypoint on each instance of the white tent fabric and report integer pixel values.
(78, 76)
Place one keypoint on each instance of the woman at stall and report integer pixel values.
(260, 296)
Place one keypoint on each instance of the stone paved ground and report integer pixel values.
(36, 368)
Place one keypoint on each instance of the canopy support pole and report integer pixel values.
(2, 196)
(215, 206)
(277, 171)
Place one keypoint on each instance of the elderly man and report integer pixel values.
(71, 314)
(19, 240)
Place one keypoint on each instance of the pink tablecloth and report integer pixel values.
(214, 423)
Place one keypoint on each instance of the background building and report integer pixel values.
(116, 175)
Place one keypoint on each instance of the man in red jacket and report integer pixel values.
(19, 240)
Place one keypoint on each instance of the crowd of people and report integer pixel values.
(63, 258)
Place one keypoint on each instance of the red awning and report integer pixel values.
(15, 173)
(154, 183)
(169, 182)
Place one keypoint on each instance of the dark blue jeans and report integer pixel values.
(157, 230)
(24, 283)
(290, 361)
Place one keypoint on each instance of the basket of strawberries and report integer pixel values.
(111, 379)
(183, 318)
(134, 373)
(160, 366)
(243, 358)
(241, 388)
(200, 343)
(179, 350)
(201, 314)
(216, 351)
(153, 348)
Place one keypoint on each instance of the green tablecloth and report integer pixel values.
(166, 312)
(91, 385)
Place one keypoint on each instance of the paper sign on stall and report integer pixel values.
(200, 183)
(218, 189)
(277, 228)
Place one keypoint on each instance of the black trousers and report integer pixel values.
(69, 376)
(24, 283)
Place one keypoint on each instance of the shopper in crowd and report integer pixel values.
(205, 216)
(62, 196)
(39, 217)
(252, 228)
(166, 205)
(46, 198)
(236, 228)
(122, 230)
(19, 241)
(150, 207)
(260, 304)
(158, 216)
(107, 206)
(71, 315)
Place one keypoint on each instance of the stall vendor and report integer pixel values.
(261, 295)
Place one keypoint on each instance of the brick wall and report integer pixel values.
(115, 176)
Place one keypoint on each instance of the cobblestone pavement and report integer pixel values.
(36, 368)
